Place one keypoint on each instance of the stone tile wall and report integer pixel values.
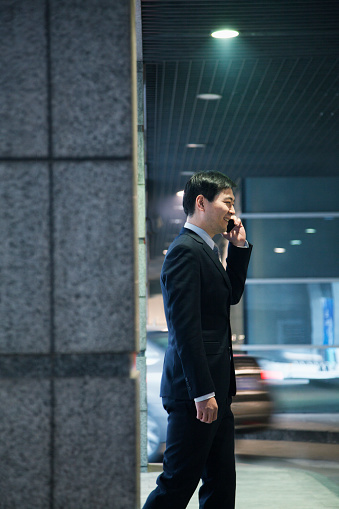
(69, 419)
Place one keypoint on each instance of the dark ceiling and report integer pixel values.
(278, 113)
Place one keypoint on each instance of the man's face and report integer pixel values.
(219, 211)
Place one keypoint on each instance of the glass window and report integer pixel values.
(293, 248)
(291, 302)
(296, 194)
(292, 313)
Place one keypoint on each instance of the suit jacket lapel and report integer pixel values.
(218, 264)
(210, 254)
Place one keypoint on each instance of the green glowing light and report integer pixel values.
(225, 34)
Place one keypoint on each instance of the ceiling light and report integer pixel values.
(209, 97)
(195, 145)
(279, 250)
(295, 242)
(180, 193)
(310, 230)
(164, 252)
(224, 34)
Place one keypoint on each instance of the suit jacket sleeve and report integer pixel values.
(237, 265)
(181, 284)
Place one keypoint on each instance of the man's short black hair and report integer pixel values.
(207, 183)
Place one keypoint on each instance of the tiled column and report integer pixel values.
(69, 411)
(141, 360)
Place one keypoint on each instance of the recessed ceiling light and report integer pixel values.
(180, 193)
(195, 145)
(209, 97)
(310, 230)
(295, 242)
(164, 252)
(224, 34)
(279, 250)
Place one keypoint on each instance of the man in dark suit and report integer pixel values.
(198, 379)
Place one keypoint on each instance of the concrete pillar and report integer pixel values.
(69, 419)
(141, 360)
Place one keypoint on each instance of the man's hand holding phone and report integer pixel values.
(235, 233)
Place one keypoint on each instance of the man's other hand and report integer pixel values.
(207, 410)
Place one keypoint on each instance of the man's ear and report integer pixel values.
(200, 203)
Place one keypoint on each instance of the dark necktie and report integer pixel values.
(216, 251)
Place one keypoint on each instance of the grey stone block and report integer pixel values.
(96, 445)
(36, 366)
(94, 259)
(140, 93)
(142, 269)
(141, 156)
(143, 440)
(141, 367)
(24, 444)
(142, 214)
(93, 365)
(24, 255)
(91, 67)
(142, 322)
(23, 79)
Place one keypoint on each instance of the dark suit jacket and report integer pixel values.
(197, 293)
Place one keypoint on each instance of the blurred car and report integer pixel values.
(251, 406)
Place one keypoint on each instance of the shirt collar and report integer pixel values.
(199, 231)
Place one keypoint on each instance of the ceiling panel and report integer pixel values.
(279, 88)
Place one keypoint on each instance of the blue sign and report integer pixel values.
(328, 322)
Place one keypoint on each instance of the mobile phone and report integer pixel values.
(230, 225)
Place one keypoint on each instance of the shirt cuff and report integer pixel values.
(203, 398)
(245, 245)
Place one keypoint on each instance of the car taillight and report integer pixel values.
(271, 375)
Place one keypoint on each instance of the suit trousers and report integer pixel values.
(194, 451)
